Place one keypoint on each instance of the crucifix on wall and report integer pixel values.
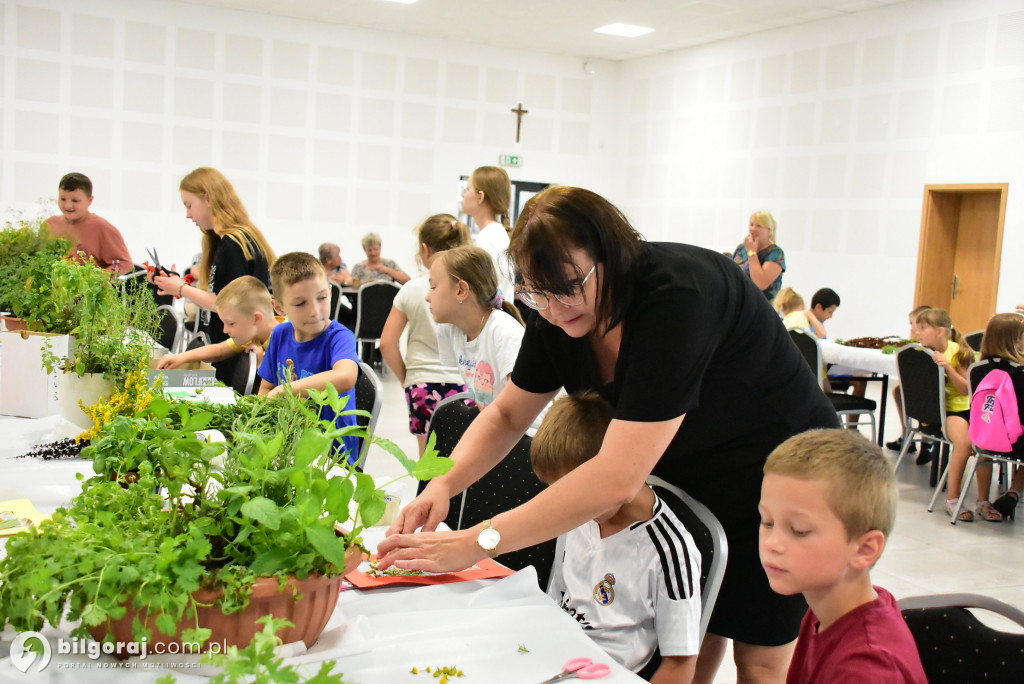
(519, 111)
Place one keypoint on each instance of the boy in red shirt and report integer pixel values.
(91, 234)
(828, 502)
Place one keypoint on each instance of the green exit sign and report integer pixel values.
(510, 160)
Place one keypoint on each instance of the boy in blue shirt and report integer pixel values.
(310, 348)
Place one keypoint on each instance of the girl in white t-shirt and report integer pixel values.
(426, 380)
(487, 198)
(477, 329)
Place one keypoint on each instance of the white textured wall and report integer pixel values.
(329, 131)
(835, 127)
(326, 131)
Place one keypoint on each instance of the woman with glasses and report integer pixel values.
(705, 384)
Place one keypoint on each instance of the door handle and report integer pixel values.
(956, 285)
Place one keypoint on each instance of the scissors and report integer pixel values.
(583, 668)
(156, 264)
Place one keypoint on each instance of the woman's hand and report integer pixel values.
(749, 243)
(431, 551)
(169, 285)
(168, 361)
(427, 511)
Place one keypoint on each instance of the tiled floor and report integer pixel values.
(925, 554)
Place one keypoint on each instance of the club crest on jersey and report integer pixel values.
(604, 591)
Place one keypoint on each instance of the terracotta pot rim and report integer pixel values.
(269, 585)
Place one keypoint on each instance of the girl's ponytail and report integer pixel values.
(964, 355)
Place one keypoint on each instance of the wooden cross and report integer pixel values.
(519, 111)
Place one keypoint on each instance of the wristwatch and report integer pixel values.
(750, 253)
(488, 539)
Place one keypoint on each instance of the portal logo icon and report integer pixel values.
(23, 658)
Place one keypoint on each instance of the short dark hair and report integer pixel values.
(825, 297)
(560, 219)
(76, 181)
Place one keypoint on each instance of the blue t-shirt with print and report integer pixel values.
(309, 358)
(770, 253)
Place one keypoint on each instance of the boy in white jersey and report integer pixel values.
(630, 577)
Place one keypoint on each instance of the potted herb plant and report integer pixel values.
(25, 242)
(238, 520)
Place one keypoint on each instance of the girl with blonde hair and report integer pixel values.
(426, 380)
(478, 331)
(487, 198)
(934, 329)
(232, 247)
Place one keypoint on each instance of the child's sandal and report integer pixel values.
(986, 511)
(966, 514)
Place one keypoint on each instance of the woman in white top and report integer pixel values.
(477, 330)
(426, 380)
(487, 198)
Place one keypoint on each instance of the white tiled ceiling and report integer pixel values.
(563, 27)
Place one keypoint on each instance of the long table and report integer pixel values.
(375, 636)
(852, 360)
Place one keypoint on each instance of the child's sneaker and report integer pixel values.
(897, 445)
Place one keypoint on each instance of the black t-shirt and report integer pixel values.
(700, 339)
(229, 263)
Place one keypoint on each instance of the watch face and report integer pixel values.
(489, 538)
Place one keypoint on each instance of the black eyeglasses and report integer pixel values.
(536, 299)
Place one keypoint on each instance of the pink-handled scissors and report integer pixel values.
(583, 668)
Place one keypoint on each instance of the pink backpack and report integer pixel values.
(995, 421)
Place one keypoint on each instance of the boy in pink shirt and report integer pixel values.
(91, 234)
(828, 502)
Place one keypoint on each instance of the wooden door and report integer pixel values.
(960, 251)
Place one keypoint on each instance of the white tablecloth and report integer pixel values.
(377, 637)
(850, 360)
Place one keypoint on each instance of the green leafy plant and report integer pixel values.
(114, 330)
(258, 664)
(25, 238)
(268, 501)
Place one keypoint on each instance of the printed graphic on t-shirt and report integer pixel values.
(480, 379)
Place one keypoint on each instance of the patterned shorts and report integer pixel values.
(423, 398)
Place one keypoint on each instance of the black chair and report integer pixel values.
(508, 484)
(374, 305)
(369, 397)
(709, 536)
(844, 404)
(956, 647)
(974, 339)
(171, 329)
(1012, 459)
(923, 393)
(244, 379)
(200, 339)
(452, 417)
(335, 299)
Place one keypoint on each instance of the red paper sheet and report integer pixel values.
(484, 569)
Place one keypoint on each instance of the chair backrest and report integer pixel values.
(452, 417)
(369, 397)
(709, 536)
(374, 305)
(810, 349)
(199, 339)
(508, 484)
(171, 328)
(244, 378)
(335, 299)
(981, 653)
(923, 384)
(974, 339)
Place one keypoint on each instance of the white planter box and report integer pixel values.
(25, 388)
